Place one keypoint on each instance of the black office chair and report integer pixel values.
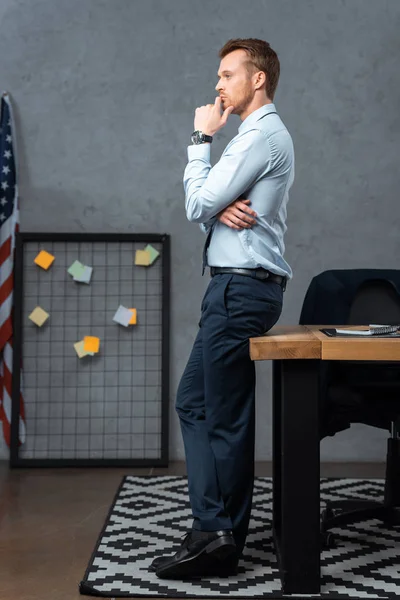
(363, 392)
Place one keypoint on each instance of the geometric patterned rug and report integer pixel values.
(150, 515)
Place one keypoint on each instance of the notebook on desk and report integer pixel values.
(391, 331)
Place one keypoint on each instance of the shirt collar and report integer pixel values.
(256, 115)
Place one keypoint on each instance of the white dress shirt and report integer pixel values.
(258, 164)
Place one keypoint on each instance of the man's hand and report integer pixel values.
(209, 119)
(238, 215)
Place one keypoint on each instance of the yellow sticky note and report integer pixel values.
(79, 348)
(91, 344)
(134, 316)
(44, 259)
(39, 316)
(142, 258)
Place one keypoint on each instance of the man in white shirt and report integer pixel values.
(241, 204)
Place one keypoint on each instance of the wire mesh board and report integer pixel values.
(109, 406)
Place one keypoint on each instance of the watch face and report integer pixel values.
(196, 137)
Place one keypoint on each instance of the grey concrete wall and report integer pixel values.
(105, 92)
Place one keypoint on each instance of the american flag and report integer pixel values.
(9, 221)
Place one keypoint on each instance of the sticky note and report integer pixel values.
(44, 259)
(76, 269)
(153, 253)
(142, 258)
(81, 273)
(85, 275)
(39, 316)
(122, 316)
(79, 347)
(133, 320)
(91, 344)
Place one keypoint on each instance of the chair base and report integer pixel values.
(341, 513)
(353, 511)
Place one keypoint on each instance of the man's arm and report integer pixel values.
(237, 215)
(209, 190)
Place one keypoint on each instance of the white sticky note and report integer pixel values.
(85, 275)
(123, 316)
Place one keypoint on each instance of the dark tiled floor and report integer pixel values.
(50, 520)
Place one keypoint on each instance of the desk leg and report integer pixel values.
(276, 447)
(296, 501)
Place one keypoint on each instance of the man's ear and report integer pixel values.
(260, 79)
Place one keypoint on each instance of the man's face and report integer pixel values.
(234, 85)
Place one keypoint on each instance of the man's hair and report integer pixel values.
(261, 58)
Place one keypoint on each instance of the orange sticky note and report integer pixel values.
(91, 344)
(44, 259)
(80, 350)
(134, 316)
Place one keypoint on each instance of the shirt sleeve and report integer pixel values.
(209, 190)
(205, 227)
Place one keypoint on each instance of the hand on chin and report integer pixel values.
(225, 104)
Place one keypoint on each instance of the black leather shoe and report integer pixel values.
(157, 562)
(197, 558)
(227, 566)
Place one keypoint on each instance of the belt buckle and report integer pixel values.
(262, 274)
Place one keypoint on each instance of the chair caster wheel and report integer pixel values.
(328, 540)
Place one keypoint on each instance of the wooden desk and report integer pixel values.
(296, 352)
(285, 342)
(339, 348)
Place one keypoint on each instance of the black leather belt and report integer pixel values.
(255, 273)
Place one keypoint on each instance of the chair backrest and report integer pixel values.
(376, 301)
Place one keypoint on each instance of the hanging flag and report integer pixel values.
(9, 222)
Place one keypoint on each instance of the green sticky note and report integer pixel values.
(76, 269)
(152, 252)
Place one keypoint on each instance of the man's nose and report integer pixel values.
(218, 87)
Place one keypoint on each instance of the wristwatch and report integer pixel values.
(198, 137)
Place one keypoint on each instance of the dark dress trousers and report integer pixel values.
(216, 401)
